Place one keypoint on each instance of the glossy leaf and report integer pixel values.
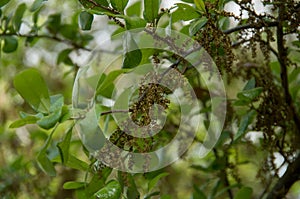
(197, 25)
(98, 182)
(64, 146)
(151, 8)
(10, 44)
(200, 5)
(184, 12)
(3, 2)
(133, 55)
(32, 87)
(119, 5)
(244, 193)
(73, 185)
(111, 191)
(17, 20)
(245, 121)
(86, 20)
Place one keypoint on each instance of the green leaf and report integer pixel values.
(32, 87)
(152, 183)
(250, 94)
(50, 120)
(36, 5)
(75, 163)
(132, 191)
(10, 44)
(184, 12)
(3, 2)
(74, 185)
(63, 57)
(119, 5)
(151, 8)
(57, 102)
(188, 1)
(22, 122)
(111, 191)
(134, 9)
(45, 164)
(197, 25)
(245, 121)
(200, 5)
(86, 20)
(95, 5)
(43, 161)
(250, 84)
(54, 23)
(133, 55)
(150, 195)
(198, 194)
(98, 181)
(108, 80)
(17, 20)
(64, 146)
(134, 22)
(244, 193)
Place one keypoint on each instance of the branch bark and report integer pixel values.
(292, 173)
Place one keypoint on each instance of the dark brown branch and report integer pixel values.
(103, 7)
(292, 173)
(247, 26)
(114, 111)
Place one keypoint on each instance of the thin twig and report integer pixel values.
(252, 25)
(54, 38)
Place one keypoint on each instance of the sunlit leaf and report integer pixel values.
(151, 8)
(22, 122)
(134, 9)
(73, 185)
(134, 22)
(184, 12)
(111, 191)
(119, 5)
(32, 87)
(200, 5)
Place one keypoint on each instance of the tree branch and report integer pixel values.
(54, 38)
(292, 173)
(247, 26)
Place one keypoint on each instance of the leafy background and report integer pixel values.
(42, 156)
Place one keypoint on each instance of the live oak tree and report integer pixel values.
(256, 53)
